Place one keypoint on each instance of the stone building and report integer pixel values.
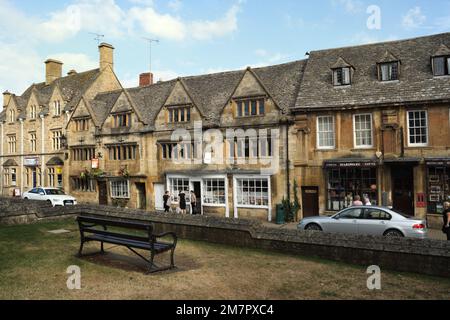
(373, 121)
(32, 125)
(369, 120)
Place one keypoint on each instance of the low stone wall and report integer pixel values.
(431, 257)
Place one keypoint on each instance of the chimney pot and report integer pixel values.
(53, 70)
(106, 55)
(145, 79)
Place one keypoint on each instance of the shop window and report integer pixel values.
(252, 192)
(214, 191)
(176, 186)
(344, 184)
(438, 188)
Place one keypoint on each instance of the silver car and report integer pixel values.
(368, 220)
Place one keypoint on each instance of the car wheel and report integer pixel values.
(25, 198)
(313, 227)
(393, 234)
(50, 202)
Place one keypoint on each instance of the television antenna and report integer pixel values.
(150, 42)
(98, 37)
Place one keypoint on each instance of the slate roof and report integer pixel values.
(210, 92)
(417, 83)
(72, 88)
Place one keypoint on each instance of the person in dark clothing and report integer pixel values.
(446, 218)
(182, 197)
(166, 201)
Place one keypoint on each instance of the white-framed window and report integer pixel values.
(120, 189)
(56, 139)
(252, 192)
(33, 142)
(341, 76)
(214, 192)
(176, 185)
(12, 144)
(362, 130)
(325, 132)
(57, 108)
(13, 176)
(417, 128)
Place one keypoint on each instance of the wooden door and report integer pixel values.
(102, 193)
(310, 201)
(403, 189)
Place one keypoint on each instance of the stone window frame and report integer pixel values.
(33, 112)
(252, 103)
(33, 141)
(57, 108)
(120, 189)
(179, 114)
(122, 119)
(56, 139)
(12, 144)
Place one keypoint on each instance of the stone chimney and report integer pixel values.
(53, 70)
(145, 79)
(106, 55)
(71, 72)
(6, 98)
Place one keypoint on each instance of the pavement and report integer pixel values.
(432, 233)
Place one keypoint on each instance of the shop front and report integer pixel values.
(437, 183)
(348, 178)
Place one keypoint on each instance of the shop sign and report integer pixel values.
(421, 200)
(438, 163)
(59, 170)
(95, 163)
(31, 162)
(350, 164)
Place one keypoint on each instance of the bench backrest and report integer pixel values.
(91, 224)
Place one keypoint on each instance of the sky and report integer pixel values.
(196, 36)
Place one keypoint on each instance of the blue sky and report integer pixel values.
(196, 36)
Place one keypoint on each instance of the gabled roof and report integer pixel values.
(341, 63)
(10, 163)
(388, 57)
(101, 105)
(442, 51)
(417, 83)
(71, 87)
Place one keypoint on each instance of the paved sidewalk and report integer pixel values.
(432, 233)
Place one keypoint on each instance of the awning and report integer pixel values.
(349, 163)
(402, 160)
(55, 161)
(444, 161)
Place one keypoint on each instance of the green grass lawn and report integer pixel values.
(34, 262)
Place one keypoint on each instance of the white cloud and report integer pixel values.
(160, 25)
(204, 30)
(367, 38)
(414, 18)
(350, 6)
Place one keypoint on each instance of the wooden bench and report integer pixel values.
(96, 229)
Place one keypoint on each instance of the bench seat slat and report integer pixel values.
(116, 234)
(158, 246)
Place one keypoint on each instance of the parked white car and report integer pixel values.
(54, 196)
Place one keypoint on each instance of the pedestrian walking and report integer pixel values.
(167, 202)
(446, 218)
(193, 202)
(182, 197)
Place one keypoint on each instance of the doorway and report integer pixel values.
(310, 201)
(141, 196)
(34, 177)
(159, 194)
(403, 189)
(102, 193)
(197, 188)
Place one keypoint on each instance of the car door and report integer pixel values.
(31, 194)
(374, 222)
(40, 194)
(346, 221)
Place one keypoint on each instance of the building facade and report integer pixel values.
(370, 121)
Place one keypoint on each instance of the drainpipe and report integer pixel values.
(288, 180)
(402, 142)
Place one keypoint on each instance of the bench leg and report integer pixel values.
(172, 260)
(101, 248)
(81, 249)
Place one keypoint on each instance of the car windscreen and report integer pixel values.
(54, 192)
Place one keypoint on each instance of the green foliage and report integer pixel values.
(291, 209)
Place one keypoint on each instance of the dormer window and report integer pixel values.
(250, 108)
(57, 108)
(179, 114)
(341, 76)
(388, 71)
(441, 66)
(122, 120)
